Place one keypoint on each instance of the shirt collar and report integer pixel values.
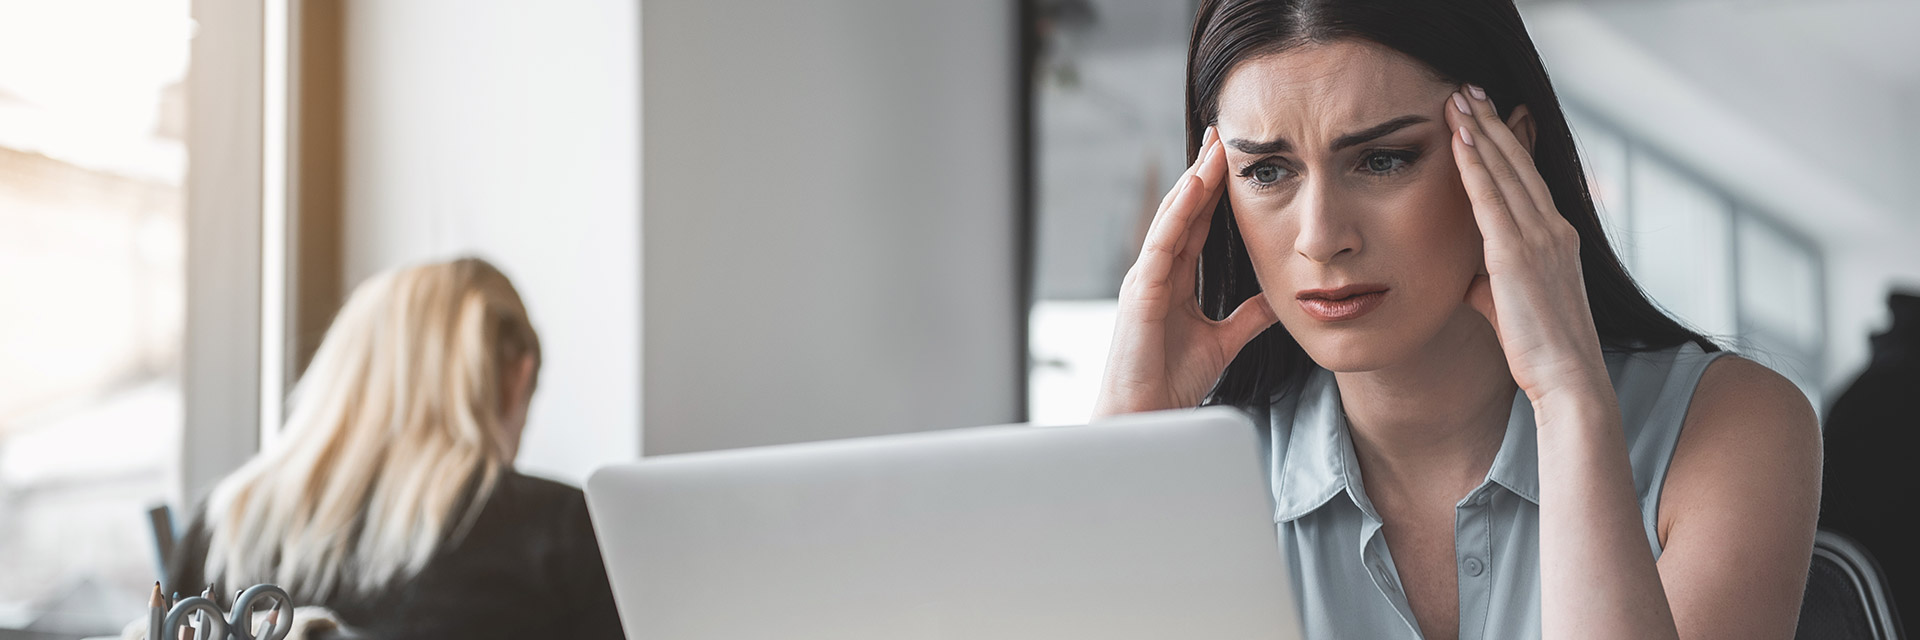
(1314, 447)
(1318, 461)
(1517, 465)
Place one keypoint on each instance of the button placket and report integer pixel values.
(1473, 557)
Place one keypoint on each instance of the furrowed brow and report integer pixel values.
(1281, 145)
(1376, 131)
(1261, 148)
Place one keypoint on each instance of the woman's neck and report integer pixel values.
(1432, 423)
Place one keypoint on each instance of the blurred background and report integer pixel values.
(771, 222)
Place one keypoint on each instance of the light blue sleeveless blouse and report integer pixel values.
(1343, 578)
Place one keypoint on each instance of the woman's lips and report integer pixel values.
(1338, 305)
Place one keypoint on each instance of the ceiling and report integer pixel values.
(1877, 36)
(1874, 37)
(1808, 106)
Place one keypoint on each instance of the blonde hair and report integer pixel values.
(396, 418)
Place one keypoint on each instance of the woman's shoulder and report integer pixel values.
(528, 487)
(522, 501)
(1743, 408)
(1655, 388)
(1750, 435)
(528, 524)
(1699, 393)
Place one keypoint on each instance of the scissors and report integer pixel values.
(237, 625)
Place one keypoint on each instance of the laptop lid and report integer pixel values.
(1148, 526)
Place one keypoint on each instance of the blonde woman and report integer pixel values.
(391, 497)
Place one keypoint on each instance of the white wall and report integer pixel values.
(509, 130)
(829, 219)
(829, 232)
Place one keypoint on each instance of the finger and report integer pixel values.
(1214, 176)
(1158, 253)
(1510, 146)
(1490, 210)
(1205, 145)
(1202, 187)
(1179, 184)
(1506, 178)
(1247, 321)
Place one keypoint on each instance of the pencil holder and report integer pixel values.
(235, 625)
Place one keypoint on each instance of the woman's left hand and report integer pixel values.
(1532, 291)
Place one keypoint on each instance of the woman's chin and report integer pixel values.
(1347, 351)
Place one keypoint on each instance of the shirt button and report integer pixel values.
(1474, 566)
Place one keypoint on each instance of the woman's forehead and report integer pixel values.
(1323, 90)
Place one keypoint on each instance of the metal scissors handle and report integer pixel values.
(181, 617)
(241, 624)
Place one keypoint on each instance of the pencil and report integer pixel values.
(200, 624)
(154, 612)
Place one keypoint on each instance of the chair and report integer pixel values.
(1846, 597)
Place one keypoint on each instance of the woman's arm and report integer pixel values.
(1166, 353)
(1743, 513)
(1737, 515)
(1597, 576)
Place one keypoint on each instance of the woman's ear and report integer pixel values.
(1521, 122)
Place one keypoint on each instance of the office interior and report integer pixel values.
(770, 222)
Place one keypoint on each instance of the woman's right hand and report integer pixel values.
(1166, 353)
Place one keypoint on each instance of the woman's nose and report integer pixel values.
(1325, 234)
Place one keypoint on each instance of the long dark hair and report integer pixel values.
(1462, 41)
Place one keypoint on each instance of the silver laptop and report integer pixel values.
(1149, 526)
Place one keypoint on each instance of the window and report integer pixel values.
(1603, 154)
(92, 280)
(1107, 144)
(1724, 267)
(1682, 253)
(1781, 302)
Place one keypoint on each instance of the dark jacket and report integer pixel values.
(530, 568)
(1871, 482)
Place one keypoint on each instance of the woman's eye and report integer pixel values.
(1265, 175)
(1381, 162)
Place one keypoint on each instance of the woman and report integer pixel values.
(1480, 426)
(391, 499)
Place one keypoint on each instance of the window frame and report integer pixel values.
(1741, 212)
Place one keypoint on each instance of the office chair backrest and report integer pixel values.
(1846, 596)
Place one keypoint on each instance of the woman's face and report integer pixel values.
(1342, 179)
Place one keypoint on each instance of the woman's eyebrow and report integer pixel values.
(1376, 131)
(1280, 145)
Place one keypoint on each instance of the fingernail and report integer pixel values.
(1460, 102)
(1478, 93)
(1207, 139)
(1466, 136)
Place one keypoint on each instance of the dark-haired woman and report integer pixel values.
(1480, 427)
